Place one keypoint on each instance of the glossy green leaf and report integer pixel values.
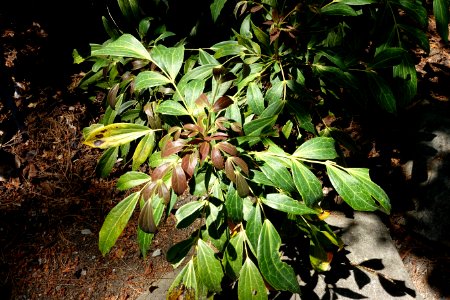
(278, 174)
(307, 184)
(382, 92)
(227, 48)
(125, 46)
(274, 109)
(251, 284)
(278, 274)
(275, 92)
(440, 11)
(253, 227)
(351, 189)
(149, 79)
(188, 213)
(169, 60)
(216, 8)
(233, 256)
(417, 35)
(257, 126)
(406, 75)
(180, 250)
(107, 161)
(209, 267)
(170, 107)
(303, 117)
(115, 222)
(415, 9)
(114, 135)
(375, 190)
(143, 150)
(387, 58)
(356, 2)
(255, 98)
(317, 148)
(234, 204)
(192, 91)
(131, 179)
(130, 9)
(287, 204)
(184, 286)
(338, 9)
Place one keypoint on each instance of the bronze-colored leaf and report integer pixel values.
(274, 34)
(256, 8)
(217, 136)
(242, 186)
(218, 72)
(112, 96)
(189, 163)
(163, 192)
(204, 150)
(160, 171)
(202, 101)
(219, 123)
(236, 127)
(227, 147)
(222, 103)
(172, 147)
(217, 158)
(154, 121)
(146, 220)
(229, 170)
(242, 164)
(179, 181)
(148, 190)
(138, 64)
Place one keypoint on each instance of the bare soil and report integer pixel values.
(52, 203)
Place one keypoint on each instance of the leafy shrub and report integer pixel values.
(234, 128)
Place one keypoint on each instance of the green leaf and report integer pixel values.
(256, 127)
(255, 98)
(170, 107)
(274, 109)
(317, 148)
(188, 213)
(209, 267)
(277, 173)
(106, 162)
(125, 46)
(387, 58)
(440, 11)
(149, 79)
(131, 179)
(180, 250)
(114, 135)
(275, 93)
(406, 75)
(375, 190)
(253, 227)
(185, 284)
(115, 222)
(143, 150)
(192, 91)
(234, 204)
(227, 48)
(278, 274)
(216, 8)
(414, 9)
(382, 92)
(303, 117)
(169, 59)
(338, 9)
(308, 185)
(233, 256)
(356, 2)
(251, 285)
(204, 58)
(272, 3)
(287, 204)
(351, 189)
(130, 9)
(144, 242)
(418, 35)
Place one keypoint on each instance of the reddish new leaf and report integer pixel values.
(242, 164)
(202, 101)
(163, 192)
(229, 170)
(189, 162)
(217, 158)
(172, 147)
(204, 150)
(148, 190)
(242, 186)
(222, 103)
(146, 220)
(227, 147)
(179, 181)
(160, 171)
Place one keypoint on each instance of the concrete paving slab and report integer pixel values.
(369, 267)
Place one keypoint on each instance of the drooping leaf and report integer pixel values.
(234, 204)
(440, 11)
(253, 227)
(146, 221)
(185, 284)
(308, 185)
(125, 46)
(287, 204)
(278, 274)
(351, 189)
(382, 93)
(417, 35)
(216, 8)
(149, 79)
(186, 214)
(388, 57)
(338, 9)
(115, 222)
(406, 81)
(169, 60)
(180, 250)
(209, 267)
(179, 180)
(255, 98)
(143, 150)
(317, 148)
(107, 161)
(144, 242)
(415, 9)
(145, 239)
(356, 2)
(114, 135)
(251, 284)
(233, 256)
(131, 179)
(130, 9)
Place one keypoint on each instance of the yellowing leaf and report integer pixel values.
(114, 135)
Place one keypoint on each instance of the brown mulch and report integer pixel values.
(52, 204)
